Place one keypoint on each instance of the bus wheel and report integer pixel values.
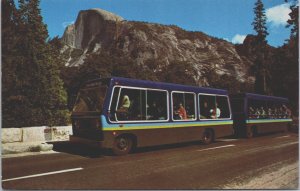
(122, 145)
(208, 136)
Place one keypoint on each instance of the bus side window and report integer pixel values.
(207, 104)
(131, 105)
(190, 105)
(183, 106)
(254, 111)
(157, 105)
(179, 111)
(222, 104)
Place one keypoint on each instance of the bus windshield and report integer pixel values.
(90, 99)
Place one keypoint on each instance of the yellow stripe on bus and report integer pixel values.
(124, 127)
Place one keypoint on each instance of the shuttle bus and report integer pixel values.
(256, 114)
(122, 114)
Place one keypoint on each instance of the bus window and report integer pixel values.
(183, 106)
(207, 106)
(157, 108)
(257, 109)
(287, 111)
(132, 104)
(282, 111)
(253, 111)
(90, 99)
(214, 107)
(222, 104)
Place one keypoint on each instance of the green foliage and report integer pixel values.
(33, 93)
(259, 23)
(293, 22)
(276, 69)
(285, 70)
(261, 70)
(285, 73)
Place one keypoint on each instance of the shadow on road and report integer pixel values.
(166, 147)
(93, 152)
(96, 152)
(80, 149)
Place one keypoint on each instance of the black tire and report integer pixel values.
(122, 145)
(208, 136)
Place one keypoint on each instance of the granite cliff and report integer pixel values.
(97, 31)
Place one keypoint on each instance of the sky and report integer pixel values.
(227, 19)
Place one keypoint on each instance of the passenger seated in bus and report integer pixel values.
(251, 113)
(215, 112)
(287, 111)
(263, 113)
(122, 112)
(181, 112)
(153, 112)
(257, 113)
(275, 113)
(204, 111)
(270, 113)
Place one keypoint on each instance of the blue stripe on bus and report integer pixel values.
(125, 126)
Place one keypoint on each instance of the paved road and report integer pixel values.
(227, 163)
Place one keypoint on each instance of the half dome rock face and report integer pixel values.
(97, 31)
(107, 16)
(89, 25)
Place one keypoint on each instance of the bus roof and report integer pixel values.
(260, 97)
(162, 85)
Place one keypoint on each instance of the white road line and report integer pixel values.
(282, 137)
(216, 147)
(43, 174)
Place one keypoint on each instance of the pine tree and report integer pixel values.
(259, 23)
(285, 64)
(9, 42)
(11, 56)
(261, 69)
(293, 22)
(38, 97)
(291, 62)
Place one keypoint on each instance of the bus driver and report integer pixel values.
(123, 110)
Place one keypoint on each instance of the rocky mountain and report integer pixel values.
(97, 31)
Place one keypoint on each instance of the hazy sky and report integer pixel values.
(227, 19)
